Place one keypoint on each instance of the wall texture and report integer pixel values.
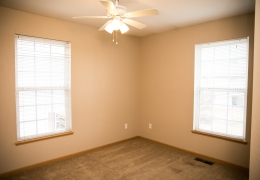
(255, 131)
(167, 85)
(105, 88)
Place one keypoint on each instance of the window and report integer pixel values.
(220, 92)
(42, 87)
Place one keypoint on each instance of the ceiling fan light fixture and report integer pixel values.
(109, 28)
(124, 28)
(120, 17)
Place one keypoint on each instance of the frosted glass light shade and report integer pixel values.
(123, 28)
(116, 24)
(109, 28)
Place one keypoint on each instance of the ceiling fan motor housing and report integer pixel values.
(121, 9)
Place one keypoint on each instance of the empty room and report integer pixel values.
(130, 89)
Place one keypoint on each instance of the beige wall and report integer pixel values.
(167, 85)
(255, 132)
(105, 88)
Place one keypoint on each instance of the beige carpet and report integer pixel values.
(130, 160)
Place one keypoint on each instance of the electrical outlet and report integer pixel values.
(126, 125)
(150, 126)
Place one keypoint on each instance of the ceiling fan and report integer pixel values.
(120, 17)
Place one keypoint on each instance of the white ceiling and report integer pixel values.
(173, 13)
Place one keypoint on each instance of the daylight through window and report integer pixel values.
(220, 92)
(42, 87)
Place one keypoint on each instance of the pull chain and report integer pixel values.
(116, 38)
(113, 36)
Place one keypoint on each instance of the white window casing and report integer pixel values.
(220, 90)
(43, 87)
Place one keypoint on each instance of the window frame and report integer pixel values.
(198, 89)
(67, 92)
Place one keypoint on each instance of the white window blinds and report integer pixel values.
(42, 87)
(221, 73)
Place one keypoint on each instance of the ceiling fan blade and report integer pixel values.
(80, 17)
(110, 7)
(134, 23)
(148, 12)
(104, 26)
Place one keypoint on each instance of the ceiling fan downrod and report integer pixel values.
(117, 2)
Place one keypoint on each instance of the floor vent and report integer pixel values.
(204, 161)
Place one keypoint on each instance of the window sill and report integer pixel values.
(43, 138)
(220, 137)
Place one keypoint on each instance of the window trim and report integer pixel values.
(43, 138)
(197, 89)
(66, 88)
(220, 137)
